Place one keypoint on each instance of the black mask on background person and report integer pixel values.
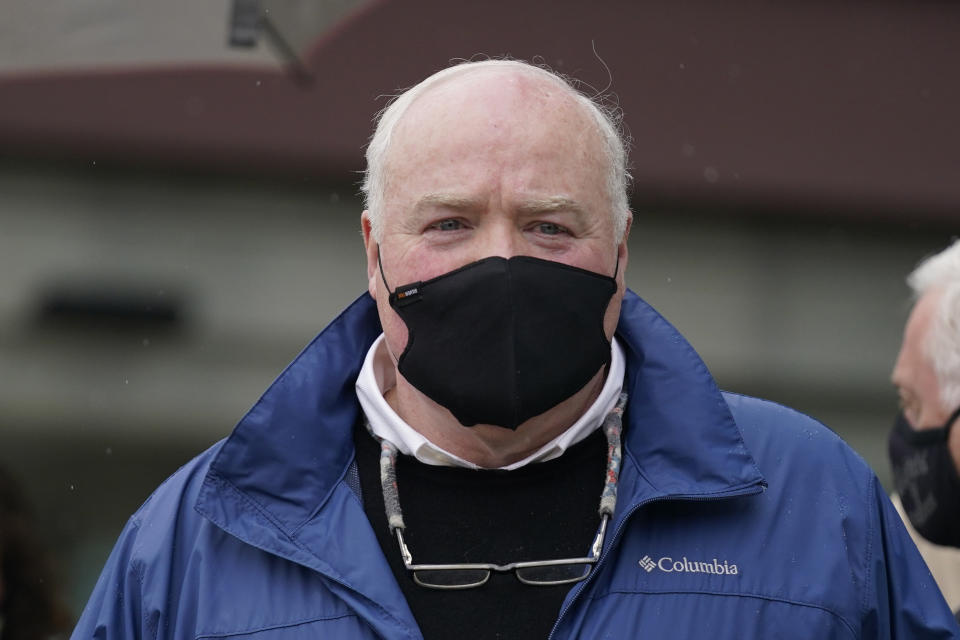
(926, 479)
(500, 340)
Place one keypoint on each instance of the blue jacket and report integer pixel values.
(736, 518)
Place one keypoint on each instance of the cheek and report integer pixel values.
(612, 316)
(912, 415)
(394, 328)
(411, 264)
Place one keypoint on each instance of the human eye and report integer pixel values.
(550, 229)
(448, 224)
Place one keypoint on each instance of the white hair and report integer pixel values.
(608, 120)
(941, 273)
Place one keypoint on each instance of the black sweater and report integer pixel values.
(541, 511)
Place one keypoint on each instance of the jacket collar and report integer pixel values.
(282, 467)
(681, 438)
(288, 453)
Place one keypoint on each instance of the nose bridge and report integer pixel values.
(499, 237)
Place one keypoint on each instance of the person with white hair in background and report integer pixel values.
(499, 440)
(924, 446)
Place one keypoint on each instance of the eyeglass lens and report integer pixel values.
(539, 575)
(451, 578)
(553, 574)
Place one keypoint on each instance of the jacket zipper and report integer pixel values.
(748, 491)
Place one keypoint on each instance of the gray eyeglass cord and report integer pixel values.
(612, 428)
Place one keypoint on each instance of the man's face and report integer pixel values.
(492, 163)
(913, 373)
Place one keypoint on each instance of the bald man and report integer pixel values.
(499, 440)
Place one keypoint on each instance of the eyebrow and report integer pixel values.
(446, 200)
(528, 207)
(552, 203)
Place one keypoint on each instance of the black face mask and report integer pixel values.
(499, 340)
(927, 480)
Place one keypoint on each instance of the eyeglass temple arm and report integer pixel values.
(595, 549)
(407, 557)
(598, 541)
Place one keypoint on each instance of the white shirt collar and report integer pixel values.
(378, 375)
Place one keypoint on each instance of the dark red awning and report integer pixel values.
(842, 105)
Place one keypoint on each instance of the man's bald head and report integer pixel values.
(612, 147)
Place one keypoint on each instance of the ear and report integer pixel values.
(372, 249)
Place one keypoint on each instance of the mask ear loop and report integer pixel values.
(380, 264)
(399, 523)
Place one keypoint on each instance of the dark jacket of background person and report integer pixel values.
(30, 607)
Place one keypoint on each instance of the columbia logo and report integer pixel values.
(667, 564)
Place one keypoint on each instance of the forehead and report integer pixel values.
(495, 91)
(920, 320)
(490, 120)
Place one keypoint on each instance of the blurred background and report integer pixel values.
(179, 210)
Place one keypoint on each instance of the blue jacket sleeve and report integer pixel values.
(908, 603)
(114, 609)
